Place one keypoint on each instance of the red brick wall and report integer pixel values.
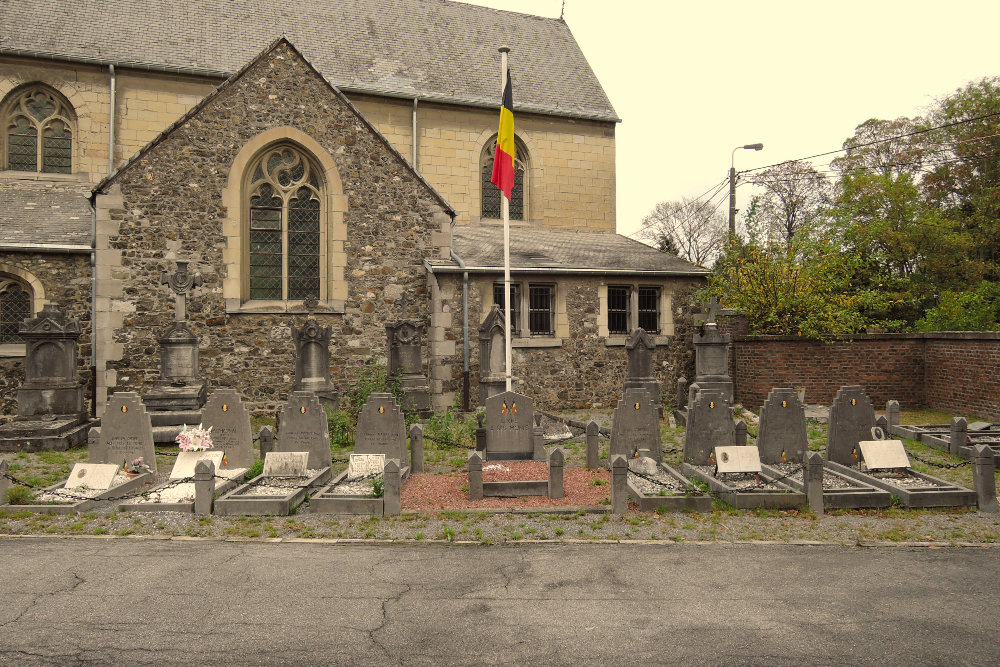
(956, 372)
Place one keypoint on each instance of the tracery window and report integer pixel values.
(38, 131)
(491, 194)
(285, 197)
(15, 306)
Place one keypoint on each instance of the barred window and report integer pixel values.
(632, 306)
(649, 309)
(38, 131)
(15, 307)
(285, 196)
(619, 300)
(541, 306)
(515, 305)
(491, 194)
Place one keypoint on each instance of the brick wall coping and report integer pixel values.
(932, 335)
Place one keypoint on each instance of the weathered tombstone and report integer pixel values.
(405, 361)
(619, 484)
(266, 441)
(381, 428)
(710, 425)
(364, 465)
(639, 348)
(983, 479)
(204, 486)
(711, 361)
(312, 361)
(882, 426)
(492, 355)
(593, 444)
(813, 481)
(682, 392)
(782, 437)
(91, 476)
(510, 427)
(228, 416)
(286, 464)
(303, 428)
(959, 435)
(126, 433)
(417, 448)
(635, 426)
(741, 433)
(852, 417)
(892, 413)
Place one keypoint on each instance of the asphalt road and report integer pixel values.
(139, 602)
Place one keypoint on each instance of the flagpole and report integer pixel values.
(505, 209)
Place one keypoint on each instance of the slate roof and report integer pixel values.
(44, 213)
(435, 49)
(481, 248)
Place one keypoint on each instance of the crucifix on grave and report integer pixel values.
(712, 308)
(181, 282)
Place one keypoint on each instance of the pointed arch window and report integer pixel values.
(491, 194)
(15, 307)
(285, 196)
(38, 131)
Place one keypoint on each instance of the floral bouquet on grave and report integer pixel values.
(195, 439)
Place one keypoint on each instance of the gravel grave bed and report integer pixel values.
(70, 496)
(830, 481)
(737, 480)
(902, 479)
(180, 492)
(357, 487)
(647, 487)
(278, 486)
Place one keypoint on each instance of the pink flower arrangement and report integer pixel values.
(195, 439)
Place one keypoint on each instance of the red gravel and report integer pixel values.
(445, 491)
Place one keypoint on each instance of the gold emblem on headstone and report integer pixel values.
(637, 406)
(784, 404)
(225, 407)
(381, 409)
(302, 410)
(513, 408)
(503, 408)
(854, 401)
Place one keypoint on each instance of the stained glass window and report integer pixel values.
(15, 306)
(39, 131)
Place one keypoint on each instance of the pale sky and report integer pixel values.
(692, 80)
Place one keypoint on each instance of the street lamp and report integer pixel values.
(732, 185)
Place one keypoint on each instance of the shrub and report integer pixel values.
(20, 495)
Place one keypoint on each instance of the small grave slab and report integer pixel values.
(737, 459)
(91, 476)
(186, 461)
(350, 492)
(884, 454)
(360, 466)
(839, 491)
(286, 464)
(665, 487)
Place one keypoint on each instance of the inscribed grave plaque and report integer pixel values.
(91, 475)
(636, 425)
(381, 428)
(737, 459)
(229, 418)
(710, 425)
(186, 461)
(852, 417)
(510, 427)
(303, 428)
(883, 454)
(782, 435)
(286, 464)
(126, 432)
(363, 465)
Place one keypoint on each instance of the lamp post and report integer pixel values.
(732, 185)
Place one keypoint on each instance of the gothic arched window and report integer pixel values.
(491, 194)
(15, 307)
(284, 197)
(38, 127)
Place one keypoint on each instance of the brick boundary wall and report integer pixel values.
(954, 371)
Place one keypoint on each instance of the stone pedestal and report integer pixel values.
(405, 360)
(312, 362)
(492, 356)
(639, 347)
(179, 388)
(711, 363)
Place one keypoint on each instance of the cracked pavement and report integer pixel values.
(144, 602)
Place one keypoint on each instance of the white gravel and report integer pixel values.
(71, 496)
(738, 480)
(279, 486)
(664, 480)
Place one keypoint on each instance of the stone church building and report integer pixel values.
(335, 154)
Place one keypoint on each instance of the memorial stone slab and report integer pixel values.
(186, 462)
(364, 465)
(636, 425)
(979, 426)
(737, 459)
(303, 428)
(92, 476)
(884, 454)
(510, 427)
(782, 436)
(852, 417)
(710, 425)
(286, 464)
(126, 432)
(228, 416)
(381, 428)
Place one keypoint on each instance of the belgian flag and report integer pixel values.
(503, 159)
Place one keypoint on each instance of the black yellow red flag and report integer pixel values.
(503, 159)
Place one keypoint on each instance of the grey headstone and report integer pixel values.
(229, 418)
(286, 464)
(710, 425)
(91, 475)
(782, 436)
(636, 425)
(266, 437)
(892, 413)
(852, 417)
(510, 427)
(303, 428)
(126, 432)
(186, 462)
(741, 433)
(381, 428)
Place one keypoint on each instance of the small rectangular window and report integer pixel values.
(649, 309)
(515, 305)
(541, 306)
(619, 302)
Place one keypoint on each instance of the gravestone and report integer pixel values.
(492, 355)
(892, 413)
(405, 360)
(381, 428)
(187, 461)
(884, 454)
(711, 361)
(302, 427)
(635, 426)
(228, 416)
(92, 476)
(312, 361)
(710, 425)
(510, 427)
(286, 464)
(852, 417)
(365, 465)
(640, 347)
(737, 459)
(782, 436)
(126, 433)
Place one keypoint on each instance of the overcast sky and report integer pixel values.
(692, 80)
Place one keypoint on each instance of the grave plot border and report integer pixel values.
(945, 495)
(968, 451)
(863, 495)
(232, 504)
(81, 505)
(677, 503)
(918, 431)
(745, 500)
(340, 504)
(516, 488)
(222, 486)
